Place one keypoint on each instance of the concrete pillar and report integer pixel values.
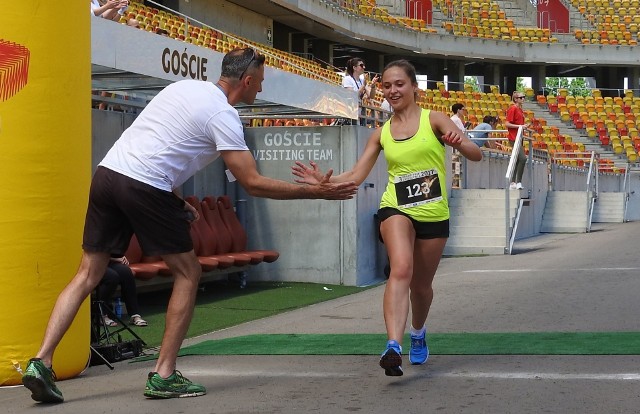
(609, 80)
(434, 69)
(323, 50)
(634, 80)
(538, 78)
(492, 76)
(510, 81)
(455, 72)
(297, 42)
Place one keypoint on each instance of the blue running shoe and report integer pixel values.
(419, 352)
(391, 359)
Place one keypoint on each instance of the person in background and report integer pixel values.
(385, 105)
(112, 10)
(459, 113)
(107, 9)
(185, 127)
(356, 81)
(479, 135)
(515, 118)
(414, 211)
(117, 274)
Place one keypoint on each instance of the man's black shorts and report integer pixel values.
(120, 206)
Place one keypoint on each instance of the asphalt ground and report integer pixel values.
(555, 282)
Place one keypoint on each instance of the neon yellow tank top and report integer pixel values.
(417, 175)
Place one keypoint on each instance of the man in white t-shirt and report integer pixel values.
(185, 127)
(459, 113)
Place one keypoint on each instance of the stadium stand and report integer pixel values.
(475, 19)
(469, 18)
(486, 19)
(614, 22)
(571, 136)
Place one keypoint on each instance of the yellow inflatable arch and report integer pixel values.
(45, 169)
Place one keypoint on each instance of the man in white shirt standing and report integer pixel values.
(185, 127)
(459, 113)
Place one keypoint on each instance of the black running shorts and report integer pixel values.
(120, 206)
(424, 230)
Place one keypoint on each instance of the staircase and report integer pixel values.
(566, 212)
(575, 134)
(477, 223)
(516, 13)
(609, 208)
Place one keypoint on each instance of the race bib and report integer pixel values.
(418, 188)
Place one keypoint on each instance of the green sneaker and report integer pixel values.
(41, 381)
(176, 386)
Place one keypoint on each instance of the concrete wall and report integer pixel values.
(633, 205)
(319, 241)
(490, 173)
(230, 18)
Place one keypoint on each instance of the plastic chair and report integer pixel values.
(231, 221)
(210, 253)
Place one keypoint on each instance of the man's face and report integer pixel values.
(252, 83)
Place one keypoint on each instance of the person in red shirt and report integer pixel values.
(515, 118)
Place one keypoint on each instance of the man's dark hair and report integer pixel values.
(240, 61)
(489, 119)
(456, 107)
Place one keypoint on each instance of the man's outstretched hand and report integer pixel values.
(323, 187)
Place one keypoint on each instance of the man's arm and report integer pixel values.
(243, 166)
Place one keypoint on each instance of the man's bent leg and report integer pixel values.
(92, 268)
(39, 377)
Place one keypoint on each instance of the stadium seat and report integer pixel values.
(231, 221)
(211, 252)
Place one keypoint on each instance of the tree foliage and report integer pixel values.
(576, 86)
(473, 81)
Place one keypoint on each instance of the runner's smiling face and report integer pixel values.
(397, 87)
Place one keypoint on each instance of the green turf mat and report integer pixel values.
(220, 305)
(514, 343)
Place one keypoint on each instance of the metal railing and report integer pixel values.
(620, 92)
(517, 144)
(509, 229)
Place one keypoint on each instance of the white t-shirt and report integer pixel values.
(352, 83)
(386, 105)
(456, 120)
(181, 131)
(94, 5)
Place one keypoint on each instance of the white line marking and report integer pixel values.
(601, 269)
(473, 375)
(545, 376)
(275, 374)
